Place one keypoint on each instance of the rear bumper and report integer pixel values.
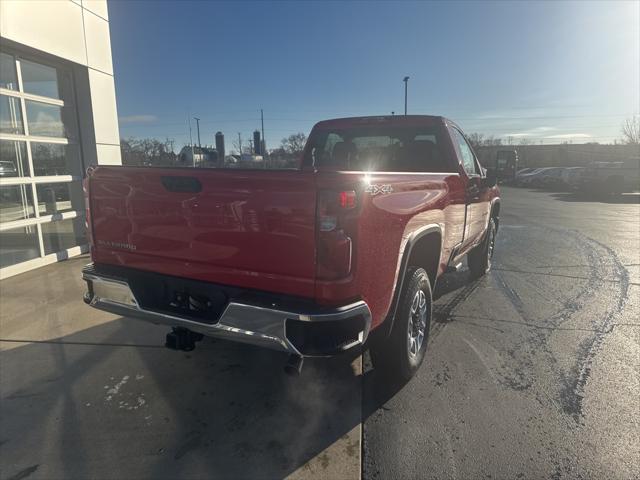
(296, 330)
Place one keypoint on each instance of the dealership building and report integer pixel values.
(57, 117)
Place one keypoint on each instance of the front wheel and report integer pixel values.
(479, 259)
(402, 353)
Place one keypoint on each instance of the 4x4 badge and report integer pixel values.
(377, 189)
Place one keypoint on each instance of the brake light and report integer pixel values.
(336, 226)
(348, 199)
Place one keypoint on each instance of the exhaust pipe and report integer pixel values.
(294, 365)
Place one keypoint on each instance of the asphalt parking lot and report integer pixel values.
(532, 372)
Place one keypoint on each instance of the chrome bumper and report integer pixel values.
(241, 322)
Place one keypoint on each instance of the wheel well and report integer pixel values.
(425, 253)
(495, 213)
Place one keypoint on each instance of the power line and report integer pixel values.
(315, 119)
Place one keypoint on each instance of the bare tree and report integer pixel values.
(631, 131)
(294, 143)
(476, 139)
(479, 140)
(237, 145)
(147, 151)
(492, 141)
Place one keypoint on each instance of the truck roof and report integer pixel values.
(401, 120)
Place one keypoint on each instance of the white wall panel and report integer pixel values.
(109, 154)
(50, 26)
(99, 7)
(103, 102)
(98, 42)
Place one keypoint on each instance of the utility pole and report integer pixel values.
(198, 126)
(193, 158)
(263, 147)
(240, 144)
(406, 81)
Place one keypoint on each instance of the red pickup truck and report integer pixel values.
(310, 260)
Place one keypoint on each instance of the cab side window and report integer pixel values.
(465, 152)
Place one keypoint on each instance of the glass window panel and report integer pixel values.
(13, 159)
(16, 203)
(59, 197)
(10, 115)
(39, 79)
(8, 77)
(55, 159)
(44, 120)
(18, 245)
(58, 236)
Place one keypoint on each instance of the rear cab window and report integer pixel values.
(380, 148)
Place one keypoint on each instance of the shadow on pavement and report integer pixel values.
(224, 410)
(625, 198)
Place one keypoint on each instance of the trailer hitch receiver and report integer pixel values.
(182, 339)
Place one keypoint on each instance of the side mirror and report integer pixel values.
(491, 178)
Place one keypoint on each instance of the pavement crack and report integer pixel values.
(24, 473)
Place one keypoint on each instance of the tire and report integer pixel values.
(400, 355)
(479, 259)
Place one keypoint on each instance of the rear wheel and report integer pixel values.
(401, 354)
(479, 259)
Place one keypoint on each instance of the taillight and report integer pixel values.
(336, 227)
(347, 199)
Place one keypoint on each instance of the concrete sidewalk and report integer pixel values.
(86, 394)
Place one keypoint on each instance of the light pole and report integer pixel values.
(198, 128)
(193, 157)
(406, 81)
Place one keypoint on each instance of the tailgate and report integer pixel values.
(254, 229)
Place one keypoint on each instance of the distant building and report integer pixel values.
(198, 156)
(57, 117)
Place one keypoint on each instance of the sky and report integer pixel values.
(543, 71)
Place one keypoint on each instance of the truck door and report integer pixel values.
(477, 198)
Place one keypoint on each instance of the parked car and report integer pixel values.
(571, 177)
(312, 261)
(529, 178)
(523, 171)
(612, 177)
(8, 169)
(550, 178)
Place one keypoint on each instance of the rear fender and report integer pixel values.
(387, 325)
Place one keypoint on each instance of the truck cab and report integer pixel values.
(506, 164)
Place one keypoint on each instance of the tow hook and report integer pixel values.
(182, 339)
(294, 365)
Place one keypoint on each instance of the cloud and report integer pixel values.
(138, 119)
(533, 132)
(571, 135)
